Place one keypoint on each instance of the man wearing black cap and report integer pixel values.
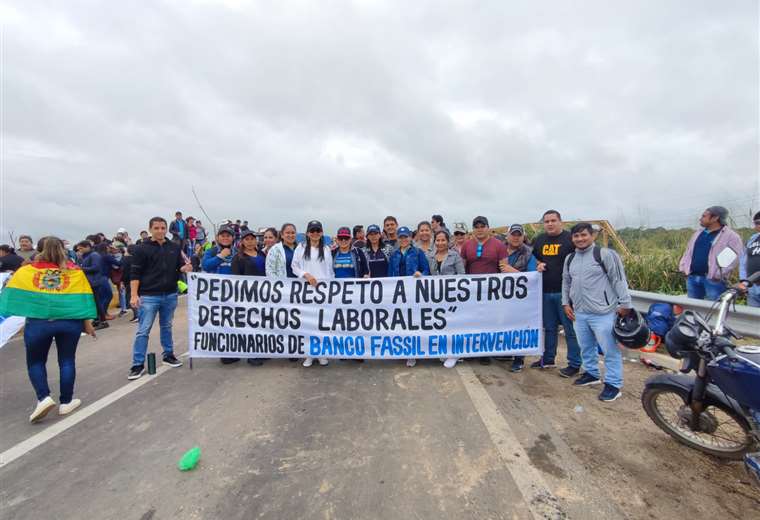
(750, 264)
(218, 259)
(483, 254)
(520, 259)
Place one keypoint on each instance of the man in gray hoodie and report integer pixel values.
(594, 291)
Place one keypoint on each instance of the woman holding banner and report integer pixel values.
(249, 262)
(407, 260)
(312, 261)
(445, 261)
(56, 299)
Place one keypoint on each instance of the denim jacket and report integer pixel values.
(415, 260)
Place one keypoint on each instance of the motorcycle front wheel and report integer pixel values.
(722, 432)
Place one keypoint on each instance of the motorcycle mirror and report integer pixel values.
(726, 257)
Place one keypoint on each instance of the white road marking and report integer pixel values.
(24, 447)
(540, 500)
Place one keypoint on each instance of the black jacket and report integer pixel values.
(10, 262)
(156, 267)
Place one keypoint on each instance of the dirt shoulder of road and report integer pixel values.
(647, 472)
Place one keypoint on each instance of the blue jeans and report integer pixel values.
(753, 296)
(554, 315)
(123, 299)
(104, 296)
(38, 337)
(593, 329)
(700, 287)
(164, 306)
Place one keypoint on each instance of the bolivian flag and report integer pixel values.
(44, 290)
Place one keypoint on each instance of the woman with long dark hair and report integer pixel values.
(54, 296)
(424, 238)
(312, 261)
(279, 262)
(270, 239)
(445, 261)
(378, 254)
(249, 262)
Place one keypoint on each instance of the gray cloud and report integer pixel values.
(347, 111)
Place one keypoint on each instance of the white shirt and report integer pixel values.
(319, 269)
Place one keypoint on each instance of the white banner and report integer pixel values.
(379, 318)
(9, 325)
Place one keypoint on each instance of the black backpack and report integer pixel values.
(597, 252)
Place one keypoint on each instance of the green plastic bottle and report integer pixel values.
(190, 459)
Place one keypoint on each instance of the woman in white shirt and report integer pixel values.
(312, 261)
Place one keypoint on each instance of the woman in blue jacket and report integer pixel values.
(407, 260)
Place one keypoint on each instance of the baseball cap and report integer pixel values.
(343, 232)
(226, 229)
(373, 228)
(403, 232)
(121, 230)
(246, 233)
(460, 229)
(516, 228)
(314, 225)
(479, 220)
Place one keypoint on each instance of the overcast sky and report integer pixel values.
(637, 112)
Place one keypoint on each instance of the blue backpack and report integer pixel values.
(660, 318)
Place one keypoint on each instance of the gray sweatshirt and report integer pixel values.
(589, 289)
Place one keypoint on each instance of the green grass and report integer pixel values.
(655, 253)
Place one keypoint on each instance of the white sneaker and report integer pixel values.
(308, 362)
(324, 361)
(411, 362)
(450, 362)
(67, 408)
(42, 409)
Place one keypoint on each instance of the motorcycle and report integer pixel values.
(717, 410)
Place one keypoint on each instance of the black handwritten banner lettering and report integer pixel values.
(382, 318)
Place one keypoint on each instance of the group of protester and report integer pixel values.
(584, 285)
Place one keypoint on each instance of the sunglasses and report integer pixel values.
(315, 231)
(757, 222)
(341, 239)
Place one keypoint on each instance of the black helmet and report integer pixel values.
(631, 330)
(682, 337)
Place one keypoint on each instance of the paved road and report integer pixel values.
(372, 440)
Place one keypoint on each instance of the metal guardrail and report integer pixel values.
(745, 320)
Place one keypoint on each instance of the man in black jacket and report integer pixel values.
(154, 273)
(9, 260)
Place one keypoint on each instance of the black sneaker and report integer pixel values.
(541, 364)
(586, 380)
(101, 325)
(122, 313)
(170, 360)
(134, 320)
(229, 360)
(517, 365)
(610, 393)
(569, 371)
(485, 360)
(257, 362)
(136, 371)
